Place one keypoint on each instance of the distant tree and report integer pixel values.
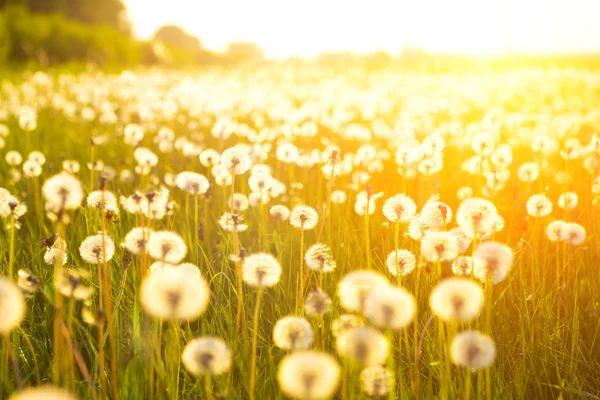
(378, 60)
(173, 35)
(93, 12)
(244, 51)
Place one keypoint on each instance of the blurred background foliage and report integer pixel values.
(45, 33)
(51, 32)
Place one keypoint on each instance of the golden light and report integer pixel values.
(307, 28)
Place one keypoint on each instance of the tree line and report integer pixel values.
(51, 32)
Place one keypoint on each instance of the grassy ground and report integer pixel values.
(545, 329)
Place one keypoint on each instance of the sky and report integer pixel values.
(284, 28)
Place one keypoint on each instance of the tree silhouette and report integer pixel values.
(173, 35)
(92, 12)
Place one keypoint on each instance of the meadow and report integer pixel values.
(308, 233)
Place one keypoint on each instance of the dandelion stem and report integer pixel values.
(254, 343)
(467, 389)
(196, 226)
(11, 251)
(326, 213)
(108, 300)
(444, 378)
(173, 359)
(15, 362)
(208, 387)
(488, 330)
(367, 236)
(58, 320)
(300, 295)
(391, 364)
(241, 312)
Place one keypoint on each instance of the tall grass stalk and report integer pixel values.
(252, 376)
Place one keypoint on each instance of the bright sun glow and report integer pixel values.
(306, 28)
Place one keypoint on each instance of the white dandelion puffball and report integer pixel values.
(12, 306)
(308, 375)
(473, 350)
(292, 333)
(97, 249)
(166, 246)
(206, 356)
(173, 294)
(456, 299)
(304, 217)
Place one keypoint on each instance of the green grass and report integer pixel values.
(547, 336)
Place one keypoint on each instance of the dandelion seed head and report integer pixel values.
(192, 183)
(62, 192)
(166, 246)
(568, 200)
(573, 233)
(439, 246)
(261, 270)
(45, 392)
(492, 260)
(317, 302)
(56, 254)
(456, 299)
(401, 263)
(27, 282)
(477, 217)
(279, 212)
(235, 161)
(12, 306)
(376, 381)
(318, 257)
(173, 294)
(399, 208)
(539, 205)
(304, 217)
(430, 165)
(464, 240)
(209, 157)
(103, 199)
(356, 286)
(9, 205)
(344, 323)
(74, 283)
(133, 134)
(292, 333)
(483, 144)
(136, 240)
(389, 307)
(232, 223)
(260, 181)
(97, 249)
(206, 356)
(464, 192)
(473, 350)
(145, 157)
(363, 345)
(435, 214)
(554, 230)
(13, 158)
(308, 375)
(502, 156)
(31, 169)
(338, 197)
(462, 266)
(528, 172)
(240, 202)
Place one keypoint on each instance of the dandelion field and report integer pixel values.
(303, 233)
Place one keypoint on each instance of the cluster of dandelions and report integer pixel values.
(175, 290)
